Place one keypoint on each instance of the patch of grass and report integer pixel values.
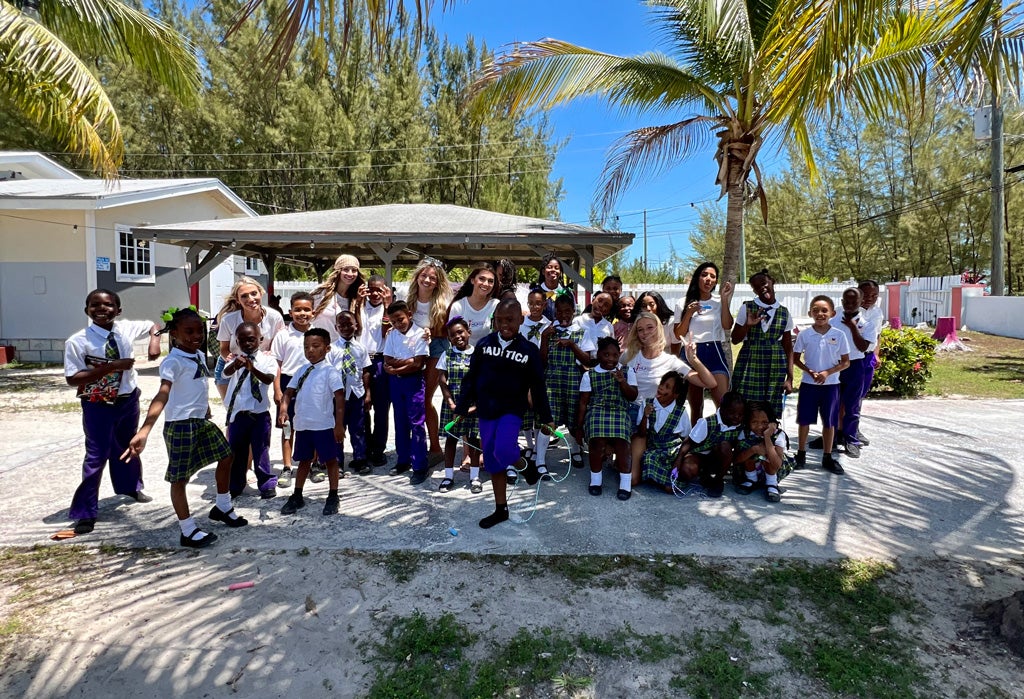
(71, 406)
(11, 626)
(402, 565)
(995, 369)
(720, 666)
(421, 654)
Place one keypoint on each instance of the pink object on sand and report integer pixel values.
(241, 585)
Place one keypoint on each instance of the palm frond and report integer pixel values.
(42, 78)
(112, 28)
(651, 150)
(712, 37)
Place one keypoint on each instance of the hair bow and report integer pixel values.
(168, 315)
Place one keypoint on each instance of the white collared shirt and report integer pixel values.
(406, 345)
(263, 361)
(594, 330)
(373, 319)
(661, 415)
(442, 362)
(874, 321)
(353, 382)
(528, 328)
(700, 431)
(770, 311)
(821, 351)
(585, 381)
(837, 322)
(189, 396)
(314, 402)
(287, 349)
(92, 342)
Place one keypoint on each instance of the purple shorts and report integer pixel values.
(813, 400)
(306, 442)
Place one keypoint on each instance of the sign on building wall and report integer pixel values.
(102, 264)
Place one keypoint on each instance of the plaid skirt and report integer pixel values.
(608, 412)
(191, 445)
(466, 428)
(656, 464)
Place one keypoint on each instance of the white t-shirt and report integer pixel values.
(189, 396)
(585, 381)
(92, 342)
(662, 413)
(874, 319)
(650, 371)
(479, 321)
(271, 324)
(705, 324)
(421, 316)
(532, 330)
(821, 351)
(371, 337)
(405, 346)
(287, 349)
(263, 361)
(329, 315)
(336, 356)
(314, 403)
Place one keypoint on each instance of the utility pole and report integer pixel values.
(998, 192)
(647, 267)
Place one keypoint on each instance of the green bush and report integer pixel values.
(905, 359)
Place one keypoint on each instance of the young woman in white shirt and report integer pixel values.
(343, 290)
(243, 305)
(475, 301)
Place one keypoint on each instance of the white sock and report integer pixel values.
(626, 482)
(596, 478)
(574, 446)
(529, 435)
(543, 441)
(771, 480)
(752, 475)
(188, 525)
(542, 469)
(223, 501)
(449, 473)
(474, 473)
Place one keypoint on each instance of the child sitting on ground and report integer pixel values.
(762, 453)
(318, 391)
(349, 357)
(606, 392)
(192, 440)
(663, 425)
(453, 366)
(250, 374)
(706, 453)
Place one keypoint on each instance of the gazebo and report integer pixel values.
(391, 234)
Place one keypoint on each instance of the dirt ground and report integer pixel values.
(661, 598)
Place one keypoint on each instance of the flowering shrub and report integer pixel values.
(905, 358)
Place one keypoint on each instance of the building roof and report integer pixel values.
(457, 235)
(23, 164)
(77, 194)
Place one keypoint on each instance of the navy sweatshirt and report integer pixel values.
(498, 380)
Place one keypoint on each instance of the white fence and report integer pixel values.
(997, 315)
(927, 298)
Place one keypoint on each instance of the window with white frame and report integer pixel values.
(134, 256)
(252, 266)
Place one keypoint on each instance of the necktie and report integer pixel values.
(348, 362)
(534, 332)
(302, 379)
(110, 350)
(201, 369)
(254, 388)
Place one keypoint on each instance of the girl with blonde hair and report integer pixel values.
(243, 305)
(343, 290)
(429, 295)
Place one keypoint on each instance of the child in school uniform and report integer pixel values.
(874, 319)
(566, 351)
(595, 323)
(606, 392)
(192, 440)
(375, 325)
(663, 424)
(707, 452)
(534, 325)
(405, 356)
(859, 335)
(99, 362)
(764, 366)
(821, 352)
(350, 358)
(286, 347)
(453, 366)
(762, 453)
(318, 391)
(504, 371)
(250, 374)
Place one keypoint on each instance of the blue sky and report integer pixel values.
(616, 26)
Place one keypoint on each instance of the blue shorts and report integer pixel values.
(218, 372)
(813, 400)
(438, 346)
(306, 442)
(713, 356)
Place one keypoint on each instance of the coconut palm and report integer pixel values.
(43, 77)
(739, 73)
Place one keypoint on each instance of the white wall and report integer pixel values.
(996, 315)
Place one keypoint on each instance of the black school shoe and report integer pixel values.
(85, 525)
(293, 504)
(331, 504)
(624, 495)
(190, 542)
(418, 477)
(217, 516)
(361, 467)
(829, 463)
(595, 490)
(399, 469)
(378, 459)
(139, 496)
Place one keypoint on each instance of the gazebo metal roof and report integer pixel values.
(391, 234)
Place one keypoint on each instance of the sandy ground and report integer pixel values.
(938, 492)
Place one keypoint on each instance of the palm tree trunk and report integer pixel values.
(733, 219)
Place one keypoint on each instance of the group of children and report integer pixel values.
(522, 379)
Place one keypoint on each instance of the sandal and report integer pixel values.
(773, 493)
(446, 485)
(191, 542)
(577, 460)
(475, 486)
(511, 476)
(746, 487)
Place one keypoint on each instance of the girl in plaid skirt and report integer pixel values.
(663, 425)
(762, 453)
(453, 366)
(606, 392)
(764, 367)
(193, 441)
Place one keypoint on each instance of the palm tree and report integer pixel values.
(43, 77)
(740, 73)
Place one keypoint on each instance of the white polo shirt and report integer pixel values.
(874, 319)
(406, 345)
(821, 351)
(837, 323)
(661, 415)
(314, 403)
(585, 381)
(263, 361)
(189, 396)
(479, 321)
(271, 324)
(287, 349)
(371, 336)
(92, 342)
(649, 372)
(595, 330)
(353, 382)
(700, 431)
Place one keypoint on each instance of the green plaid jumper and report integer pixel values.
(788, 462)
(663, 447)
(608, 410)
(562, 377)
(760, 371)
(457, 367)
(716, 435)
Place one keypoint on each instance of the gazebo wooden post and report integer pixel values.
(387, 254)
